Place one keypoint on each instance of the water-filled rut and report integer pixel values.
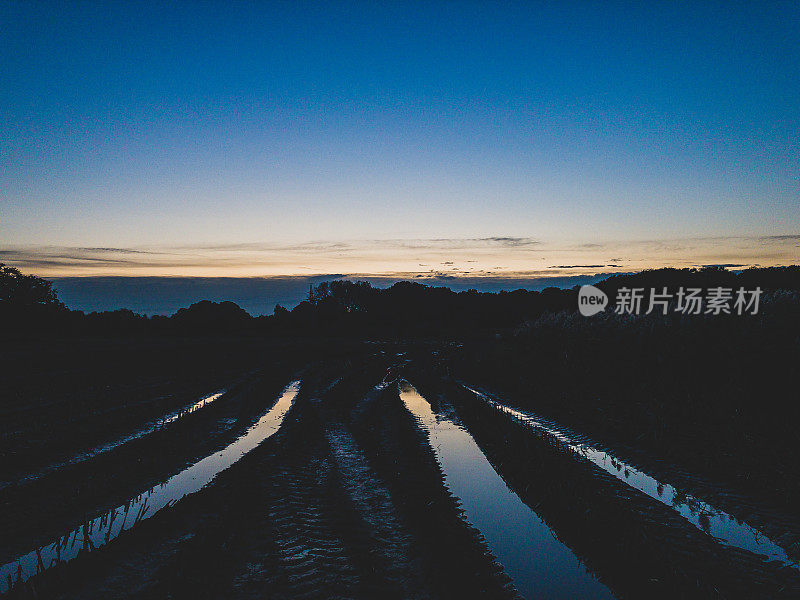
(723, 527)
(539, 565)
(106, 527)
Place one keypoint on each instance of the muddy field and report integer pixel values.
(351, 473)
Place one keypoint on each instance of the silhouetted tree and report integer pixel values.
(210, 316)
(26, 290)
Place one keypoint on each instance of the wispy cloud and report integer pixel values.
(511, 242)
(726, 265)
(782, 238)
(460, 243)
(464, 257)
(113, 250)
(577, 266)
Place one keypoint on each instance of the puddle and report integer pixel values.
(539, 565)
(106, 527)
(725, 528)
(148, 429)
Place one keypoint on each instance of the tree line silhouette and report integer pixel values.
(406, 309)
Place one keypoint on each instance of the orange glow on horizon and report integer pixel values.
(496, 257)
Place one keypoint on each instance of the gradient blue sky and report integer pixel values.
(286, 138)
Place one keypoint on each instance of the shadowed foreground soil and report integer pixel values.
(347, 500)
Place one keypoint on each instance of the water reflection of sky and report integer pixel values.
(539, 565)
(723, 527)
(106, 527)
(146, 430)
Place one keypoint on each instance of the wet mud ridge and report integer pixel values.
(148, 428)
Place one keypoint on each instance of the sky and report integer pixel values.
(493, 140)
